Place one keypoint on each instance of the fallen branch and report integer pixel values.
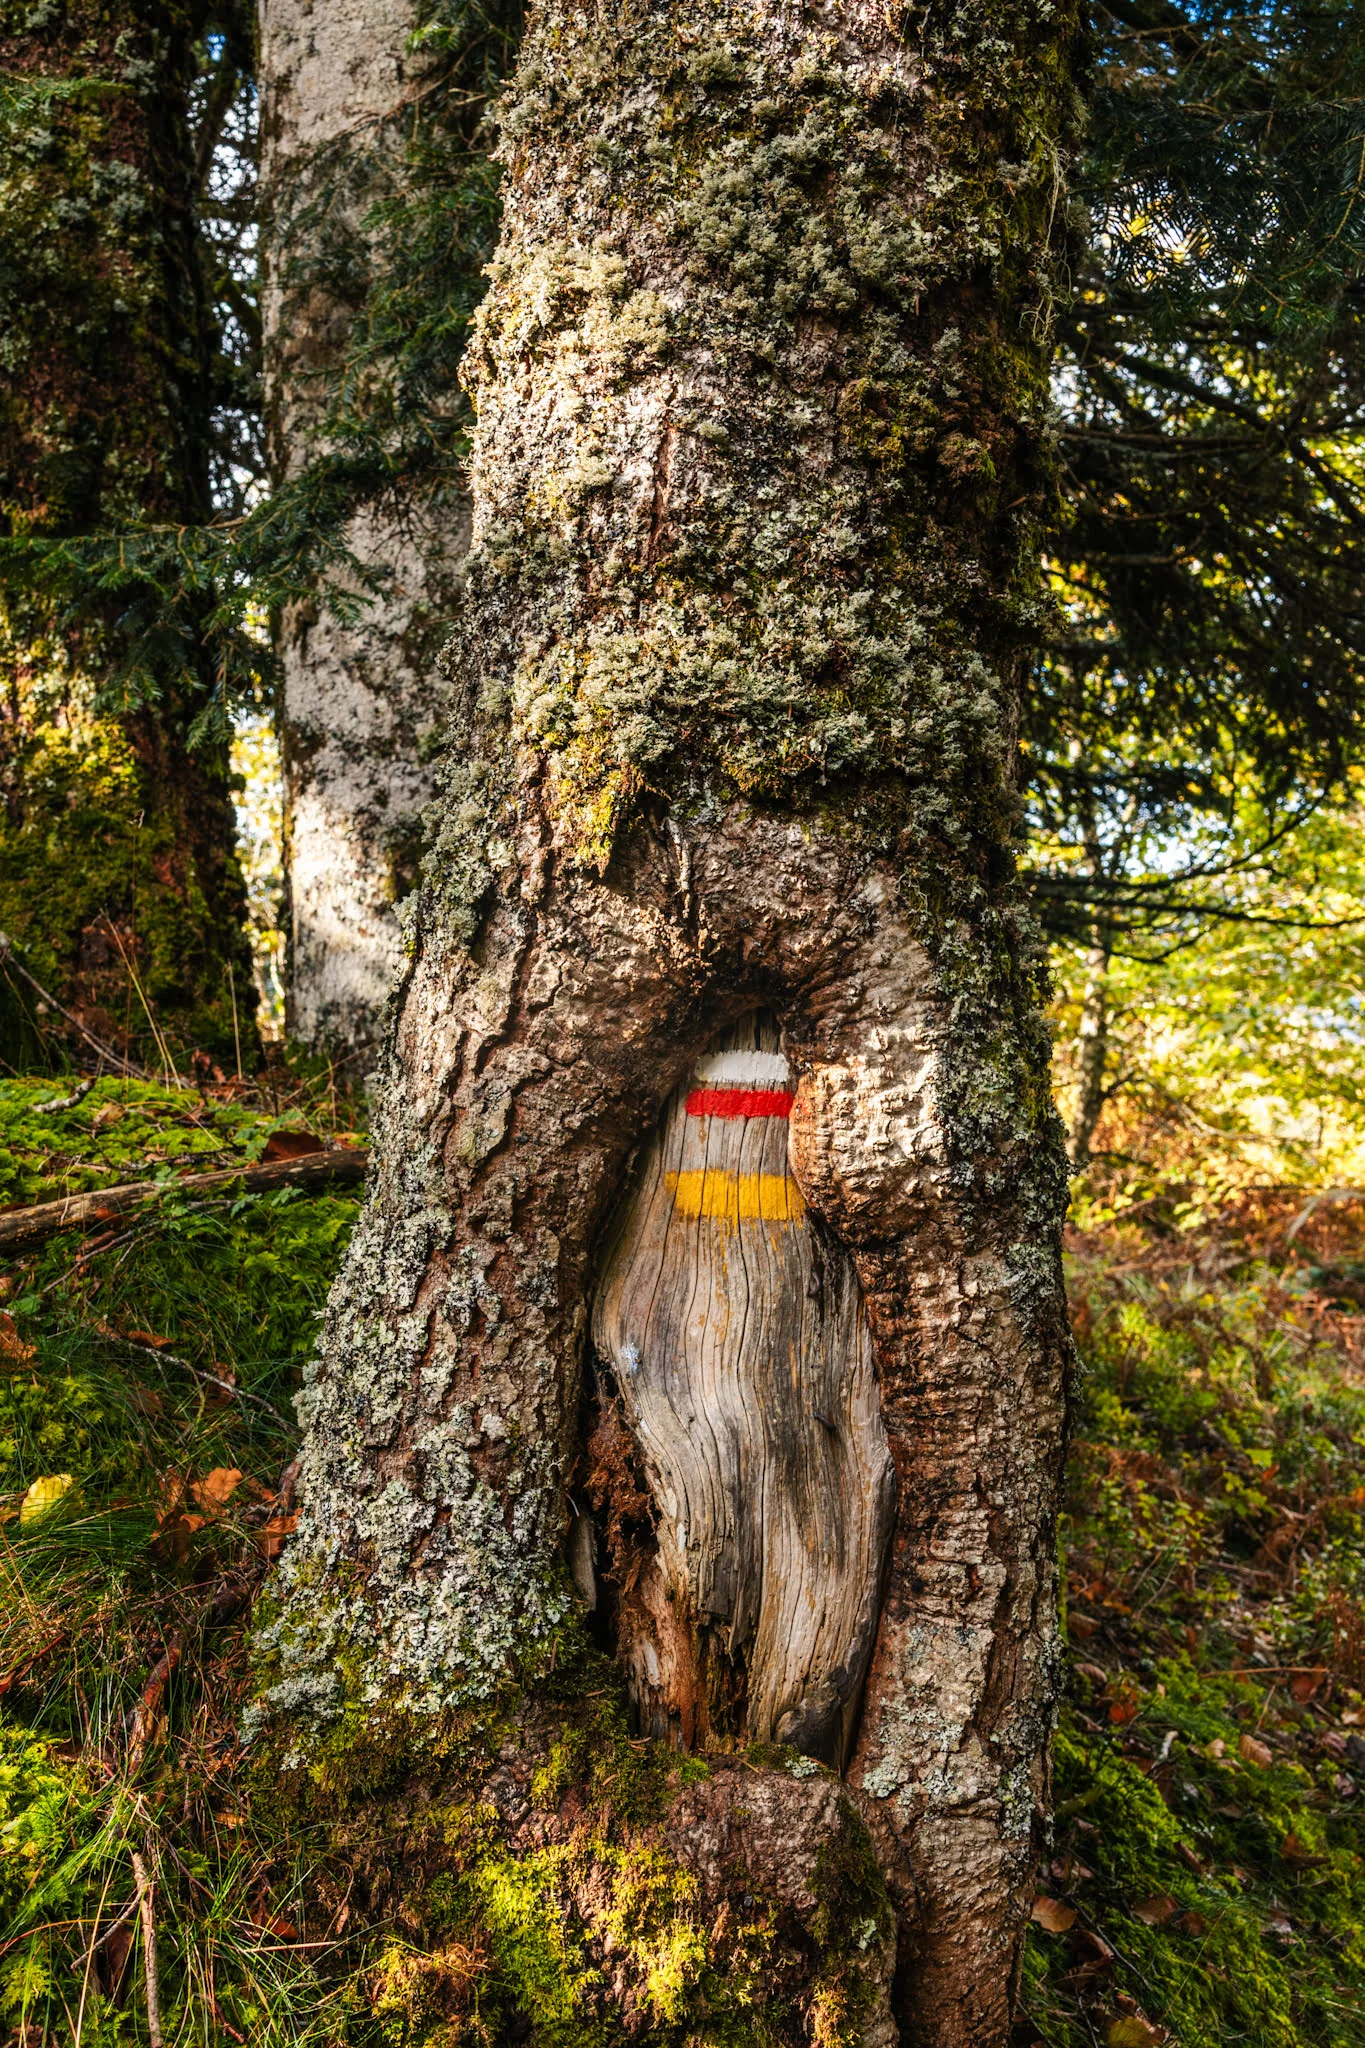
(20, 1228)
(123, 1914)
(196, 1372)
(227, 1597)
(143, 1718)
(20, 1671)
(56, 1102)
(153, 1989)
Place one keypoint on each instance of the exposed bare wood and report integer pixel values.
(54, 1103)
(738, 1341)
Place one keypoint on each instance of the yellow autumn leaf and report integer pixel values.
(43, 1496)
(1134, 2031)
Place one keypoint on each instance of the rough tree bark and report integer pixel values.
(117, 838)
(362, 698)
(760, 457)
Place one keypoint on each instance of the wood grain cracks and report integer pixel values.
(738, 1359)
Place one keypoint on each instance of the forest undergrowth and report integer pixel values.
(1206, 1883)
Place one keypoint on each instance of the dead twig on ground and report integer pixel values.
(146, 1905)
(143, 1718)
(56, 1102)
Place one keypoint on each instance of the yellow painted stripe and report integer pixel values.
(736, 1197)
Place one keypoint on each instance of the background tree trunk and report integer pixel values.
(355, 120)
(117, 837)
(761, 389)
(1091, 1054)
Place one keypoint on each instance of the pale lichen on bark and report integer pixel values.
(759, 465)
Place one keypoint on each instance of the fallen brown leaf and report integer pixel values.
(1052, 1914)
(176, 1528)
(172, 1493)
(111, 1957)
(270, 1536)
(262, 1913)
(291, 1145)
(1253, 1752)
(1156, 1911)
(216, 1489)
(12, 1345)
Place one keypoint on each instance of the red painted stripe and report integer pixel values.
(740, 1102)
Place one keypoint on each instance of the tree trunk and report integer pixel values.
(349, 117)
(708, 1296)
(1092, 1049)
(117, 837)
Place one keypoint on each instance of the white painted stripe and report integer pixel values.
(744, 1070)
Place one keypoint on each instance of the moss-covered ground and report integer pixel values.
(145, 1373)
(1207, 1880)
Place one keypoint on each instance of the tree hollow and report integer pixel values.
(734, 1332)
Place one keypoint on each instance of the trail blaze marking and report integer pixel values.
(740, 1102)
(736, 1197)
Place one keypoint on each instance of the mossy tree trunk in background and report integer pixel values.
(117, 838)
(375, 175)
(720, 943)
(356, 695)
(1090, 1054)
